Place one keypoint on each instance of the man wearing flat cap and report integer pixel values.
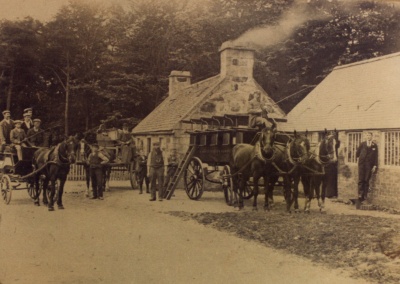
(35, 135)
(27, 122)
(156, 165)
(6, 125)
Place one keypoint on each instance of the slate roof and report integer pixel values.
(361, 95)
(173, 109)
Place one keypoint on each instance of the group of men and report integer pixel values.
(17, 133)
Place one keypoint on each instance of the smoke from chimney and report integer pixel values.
(269, 35)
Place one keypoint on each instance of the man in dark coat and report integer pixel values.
(27, 122)
(35, 135)
(6, 125)
(367, 154)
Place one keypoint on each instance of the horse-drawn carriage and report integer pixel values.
(14, 173)
(226, 151)
(210, 153)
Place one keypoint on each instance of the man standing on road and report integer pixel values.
(367, 154)
(155, 165)
(96, 160)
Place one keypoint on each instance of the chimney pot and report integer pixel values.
(237, 60)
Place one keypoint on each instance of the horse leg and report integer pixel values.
(255, 186)
(296, 181)
(106, 179)
(287, 192)
(44, 192)
(242, 185)
(52, 193)
(37, 190)
(323, 192)
(308, 192)
(60, 193)
(317, 187)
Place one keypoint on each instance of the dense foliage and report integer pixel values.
(105, 62)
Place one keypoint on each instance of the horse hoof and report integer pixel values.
(60, 207)
(255, 209)
(36, 203)
(51, 208)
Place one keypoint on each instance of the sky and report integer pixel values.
(42, 10)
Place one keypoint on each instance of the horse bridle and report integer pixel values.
(272, 148)
(62, 158)
(329, 152)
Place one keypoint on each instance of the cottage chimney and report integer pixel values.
(178, 80)
(237, 61)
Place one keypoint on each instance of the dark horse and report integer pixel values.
(290, 154)
(54, 164)
(324, 155)
(250, 161)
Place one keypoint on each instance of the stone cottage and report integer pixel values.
(354, 99)
(226, 93)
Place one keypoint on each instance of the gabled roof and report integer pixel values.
(174, 109)
(361, 95)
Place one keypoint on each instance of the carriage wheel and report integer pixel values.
(227, 185)
(6, 188)
(132, 176)
(248, 189)
(194, 179)
(48, 191)
(30, 186)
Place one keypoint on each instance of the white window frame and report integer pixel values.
(354, 140)
(391, 148)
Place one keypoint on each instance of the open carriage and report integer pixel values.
(17, 174)
(209, 154)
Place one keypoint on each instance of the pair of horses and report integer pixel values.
(277, 154)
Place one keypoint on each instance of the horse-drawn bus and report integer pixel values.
(224, 150)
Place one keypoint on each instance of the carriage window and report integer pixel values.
(392, 148)
(353, 141)
(226, 138)
(239, 137)
(203, 140)
(214, 139)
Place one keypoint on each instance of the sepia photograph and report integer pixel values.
(199, 141)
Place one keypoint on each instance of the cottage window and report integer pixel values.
(392, 148)
(353, 141)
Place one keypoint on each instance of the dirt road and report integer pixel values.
(127, 239)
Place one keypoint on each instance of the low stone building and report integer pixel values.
(354, 99)
(226, 93)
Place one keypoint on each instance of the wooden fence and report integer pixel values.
(77, 172)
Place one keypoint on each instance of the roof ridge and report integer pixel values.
(383, 57)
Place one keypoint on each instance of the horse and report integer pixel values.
(290, 154)
(315, 180)
(51, 165)
(250, 161)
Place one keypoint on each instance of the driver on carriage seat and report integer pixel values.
(127, 144)
(258, 113)
(35, 135)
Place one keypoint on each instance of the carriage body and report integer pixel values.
(209, 155)
(14, 173)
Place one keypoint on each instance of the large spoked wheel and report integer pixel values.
(30, 185)
(227, 185)
(6, 188)
(194, 179)
(248, 190)
(132, 176)
(56, 189)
